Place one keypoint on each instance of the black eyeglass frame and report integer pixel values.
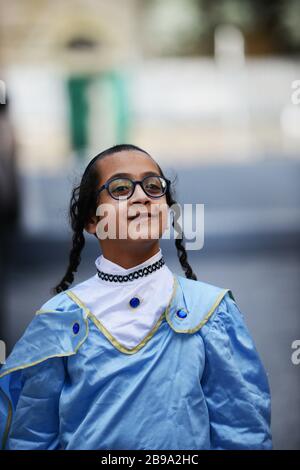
(135, 182)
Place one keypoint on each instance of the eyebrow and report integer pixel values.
(126, 175)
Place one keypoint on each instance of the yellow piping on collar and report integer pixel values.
(205, 319)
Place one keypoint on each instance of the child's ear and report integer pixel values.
(91, 225)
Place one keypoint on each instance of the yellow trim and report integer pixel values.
(39, 312)
(205, 319)
(111, 338)
(8, 421)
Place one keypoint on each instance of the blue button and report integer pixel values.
(134, 302)
(76, 328)
(181, 313)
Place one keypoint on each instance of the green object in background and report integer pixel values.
(79, 107)
(121, 112)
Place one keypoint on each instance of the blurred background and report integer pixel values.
(212, 90)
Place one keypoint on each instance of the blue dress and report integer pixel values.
(194, 382)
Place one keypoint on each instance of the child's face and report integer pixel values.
(116, 216)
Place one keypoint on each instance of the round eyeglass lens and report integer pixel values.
(120, 188)
(154, 186)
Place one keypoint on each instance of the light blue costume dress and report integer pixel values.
(194, 382)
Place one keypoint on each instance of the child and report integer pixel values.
(135, 357)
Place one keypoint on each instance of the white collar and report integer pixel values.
(109, 302)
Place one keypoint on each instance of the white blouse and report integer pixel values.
(109, 301)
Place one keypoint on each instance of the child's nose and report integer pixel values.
(139, 194)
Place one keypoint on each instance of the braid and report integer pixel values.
(78, 242)
(74, 261)
(183, 260)
(181, 251)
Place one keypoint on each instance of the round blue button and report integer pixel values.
(181, 313)
(134, 302)
(76, 328)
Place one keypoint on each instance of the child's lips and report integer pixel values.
(142, 216)
(139, 216)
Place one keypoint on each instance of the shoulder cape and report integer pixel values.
(51, 334)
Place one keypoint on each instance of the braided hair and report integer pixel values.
(83, 205)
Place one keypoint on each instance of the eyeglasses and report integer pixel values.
(123, 188)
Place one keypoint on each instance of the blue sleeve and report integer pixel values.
(35, 423)
(235, 384)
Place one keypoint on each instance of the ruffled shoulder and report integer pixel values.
(227, 311)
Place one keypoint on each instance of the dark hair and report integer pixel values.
(83, 205)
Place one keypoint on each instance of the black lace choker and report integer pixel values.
(134, 275)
